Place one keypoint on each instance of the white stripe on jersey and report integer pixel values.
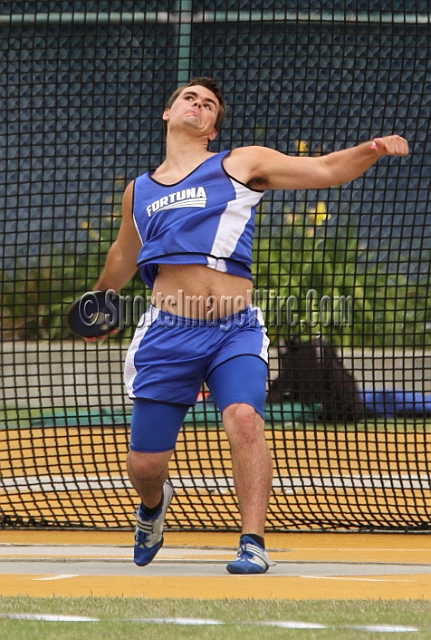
(137, 228)
(233, 221)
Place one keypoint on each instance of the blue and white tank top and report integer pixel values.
(207, 218)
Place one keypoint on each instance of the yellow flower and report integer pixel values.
(302, 147)
(94, 235)
(319, 214)
(288, 215)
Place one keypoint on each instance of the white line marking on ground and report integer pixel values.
(284, 624)
(383, 628)
(357, 579)
(293, 625)
(62, 576)
(213, 483)
(361, 549)
(183, 621)
(47, 617)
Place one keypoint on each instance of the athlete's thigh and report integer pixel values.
(241, 379)
(155, 425)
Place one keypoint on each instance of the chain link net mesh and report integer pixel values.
(83, 86)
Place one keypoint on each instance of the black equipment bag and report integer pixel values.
(311, 373)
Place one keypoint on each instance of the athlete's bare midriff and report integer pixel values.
(197, 291)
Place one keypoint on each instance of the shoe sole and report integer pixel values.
(238, 571)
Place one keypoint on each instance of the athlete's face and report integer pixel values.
(196, 107)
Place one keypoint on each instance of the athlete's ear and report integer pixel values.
(213, 135)
(165, 115)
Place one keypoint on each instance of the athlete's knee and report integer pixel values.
(147, 466)
(243, 424)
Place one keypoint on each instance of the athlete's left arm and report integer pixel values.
(264, 168)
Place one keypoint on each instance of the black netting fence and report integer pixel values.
(342, 275)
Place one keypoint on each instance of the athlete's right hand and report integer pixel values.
(390, 146)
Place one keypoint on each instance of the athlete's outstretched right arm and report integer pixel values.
(120, 265)
(265, 168)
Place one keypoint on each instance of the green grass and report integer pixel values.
(121, 618)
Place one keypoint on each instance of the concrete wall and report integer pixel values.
(73, 373)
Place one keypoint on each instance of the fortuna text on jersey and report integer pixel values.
(194, 197)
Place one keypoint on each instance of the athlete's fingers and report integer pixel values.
(391, 146)
(103, 337)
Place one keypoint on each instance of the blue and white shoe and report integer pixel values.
(251, 558)
(149, 530)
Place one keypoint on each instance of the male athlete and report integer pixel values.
(188, 226)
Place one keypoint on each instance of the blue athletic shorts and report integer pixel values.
(171, 356)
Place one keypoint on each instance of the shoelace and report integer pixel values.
(145, 526)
